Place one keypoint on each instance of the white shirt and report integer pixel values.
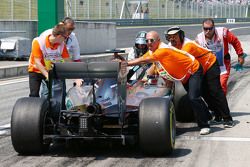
(131, 54)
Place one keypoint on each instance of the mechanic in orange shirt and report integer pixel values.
(212, 90)
(174, 64)
(45, 51)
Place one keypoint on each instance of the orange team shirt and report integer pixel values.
(204, 56)
(36, 52)
(175, 62)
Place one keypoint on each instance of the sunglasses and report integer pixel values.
(174, 37)
(208, 28)
(150, 40)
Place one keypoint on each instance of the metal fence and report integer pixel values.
(131, 9)
(154, 9)
(18, 10)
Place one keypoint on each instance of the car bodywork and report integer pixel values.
(131, 112)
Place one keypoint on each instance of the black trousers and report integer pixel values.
(194, 89)
(213, 93)
(58, 92)
(35, 80)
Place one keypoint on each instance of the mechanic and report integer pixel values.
(212, 90)
(73, 50)
(174, 64)
(71, 41)
(217, 39)
(46, 50)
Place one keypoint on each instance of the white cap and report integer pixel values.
(172, 30)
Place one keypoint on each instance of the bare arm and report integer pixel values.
(41, 68)
(151, 70)
(140, 60)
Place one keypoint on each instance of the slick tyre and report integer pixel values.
(183, 109)
(157, 126)
(27, 125)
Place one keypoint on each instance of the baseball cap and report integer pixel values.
(172, 30)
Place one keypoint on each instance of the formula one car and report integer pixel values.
(129, 111)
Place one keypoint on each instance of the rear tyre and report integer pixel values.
(27, 125)
(157, 126)
(183, 109)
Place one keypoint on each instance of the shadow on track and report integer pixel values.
(104, 150)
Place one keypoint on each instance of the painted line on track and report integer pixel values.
(214, 138)
(5, 126)
(181, 25)
(5, 130)
(13, 81)
(236, 28)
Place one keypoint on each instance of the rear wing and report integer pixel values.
(72, 70)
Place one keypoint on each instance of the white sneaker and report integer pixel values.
(205, 131)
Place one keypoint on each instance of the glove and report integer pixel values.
(238, 66)
(244, 55)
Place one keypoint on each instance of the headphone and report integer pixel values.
(181, 35)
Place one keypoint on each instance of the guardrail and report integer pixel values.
(151, 22)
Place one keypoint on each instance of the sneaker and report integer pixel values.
(216, 121)
(210, 116)
(228, 124)
(205, 131)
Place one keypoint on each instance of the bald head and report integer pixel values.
(153, 35)
(153, 40)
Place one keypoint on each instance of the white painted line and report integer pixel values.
(236, 28)
(4, 129)
(15, 66)
(186, 25)
(207, 138)
(3, 132)
(13, 81)
(5, 126)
